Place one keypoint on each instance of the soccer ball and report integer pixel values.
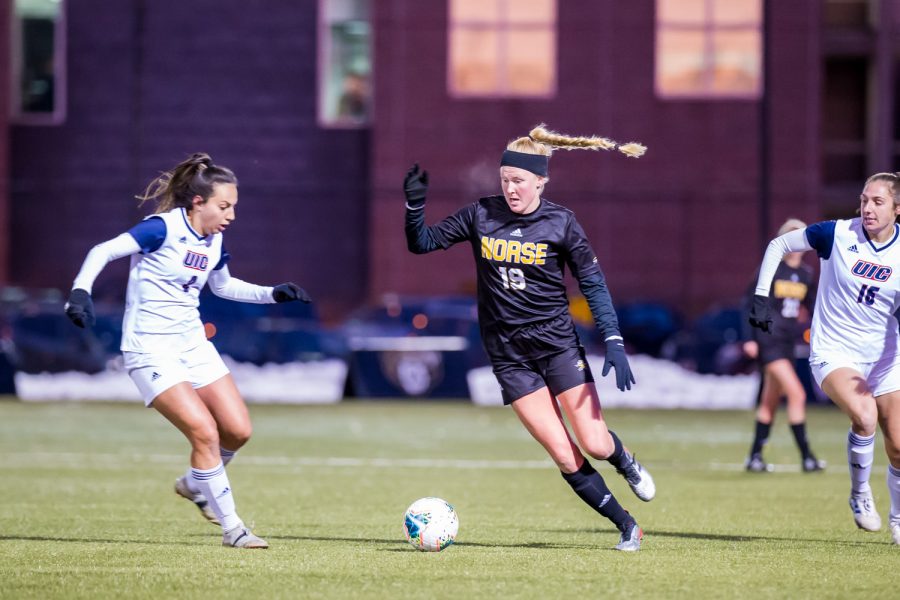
(430, 524)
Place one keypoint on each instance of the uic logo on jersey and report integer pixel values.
(193, 260)
(868, 270)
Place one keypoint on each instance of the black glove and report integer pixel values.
(415, 186)
(759, 314)
(80, 308)
(615, 357)
(288, 292)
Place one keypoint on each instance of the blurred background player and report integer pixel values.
(855, 345)
(790, 303)
(177, 370)
(522, 244)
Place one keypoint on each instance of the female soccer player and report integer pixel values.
(178, 372)
(854, 339)
(522, 243)
(790, 292)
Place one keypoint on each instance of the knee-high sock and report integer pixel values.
(226, 455)
(799, 431)
(591, 488)
(893, 483)
(760, 437)
(860, 453)
(213, 484)
(619, 456)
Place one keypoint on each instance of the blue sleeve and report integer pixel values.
(821, 237)
(149, 234)
(223, 260)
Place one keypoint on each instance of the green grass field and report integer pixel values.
(87, 509)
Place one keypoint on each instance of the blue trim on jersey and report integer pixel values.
(222, 262)
(893, 239)
(821, 237)
(149, 234)
(188, 224)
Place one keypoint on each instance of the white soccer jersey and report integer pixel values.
(164, 284)
(858, 293)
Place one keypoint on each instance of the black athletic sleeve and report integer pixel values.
(746, 303)
(421, 239)
(579, 255)
(593, 288)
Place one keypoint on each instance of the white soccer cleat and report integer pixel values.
(863, 506)
(241, 537)
(895, 532)
(638, 478)
(199, 500)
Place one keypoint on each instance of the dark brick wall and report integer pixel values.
(5, 13)
(151, 81)
(678, 225)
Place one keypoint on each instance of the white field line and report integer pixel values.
(75, 460)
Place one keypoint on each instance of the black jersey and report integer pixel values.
(791, 289)
(520, 262)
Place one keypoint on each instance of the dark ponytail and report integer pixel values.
(194, 176)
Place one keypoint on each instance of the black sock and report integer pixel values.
(618, 456)
(591, 488)
(800, 436)
(760, 437)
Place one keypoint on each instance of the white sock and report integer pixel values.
(893, 482)
(214, 485)
(860, 454)
(226, 455)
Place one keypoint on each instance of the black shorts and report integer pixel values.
(774, 348)
(558, 372)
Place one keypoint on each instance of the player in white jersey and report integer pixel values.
(854, 339)
(174, 253)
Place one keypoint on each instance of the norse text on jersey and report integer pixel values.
(501, 250)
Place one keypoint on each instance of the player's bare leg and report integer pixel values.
(848, 389)
(540, 414)
(582, 407)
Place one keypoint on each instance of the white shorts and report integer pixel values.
(155, 373)
(882, 377)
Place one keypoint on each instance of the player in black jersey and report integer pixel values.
(521, 244)
(775, 351)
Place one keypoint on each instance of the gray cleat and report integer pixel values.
(241, 537)
(756, 464)
(638, 478)
(182, 490)
(811, 464)
(631, 538)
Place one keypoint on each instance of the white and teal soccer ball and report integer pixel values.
(430, 524)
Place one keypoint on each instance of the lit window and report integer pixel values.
(502, 48)
(709, 48)
(37, 52)
(345, 63)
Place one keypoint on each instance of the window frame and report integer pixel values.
(708, 28)
(325, 51)
(502, 27)
(17, 116)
